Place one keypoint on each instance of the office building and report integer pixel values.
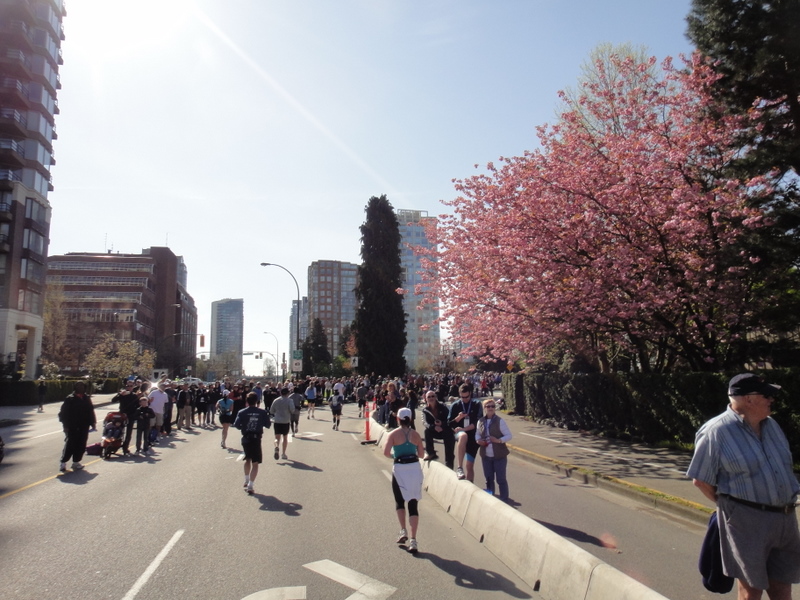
(227, 334)
(304, 328)
(30, 55)
(423, 350)
(332, 298)
(135, 297)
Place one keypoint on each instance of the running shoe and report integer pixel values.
(412, 546)
(250, 489)
(283, 456)
(76, 466)
(275, 456)
(62, 467)
(460, 473)
(402, 537)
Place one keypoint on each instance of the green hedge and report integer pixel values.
(26, 393)
(653, 408)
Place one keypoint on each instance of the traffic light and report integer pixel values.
(202, 340)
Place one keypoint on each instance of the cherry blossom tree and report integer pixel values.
(618, 234)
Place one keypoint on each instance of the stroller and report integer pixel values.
(113, 433)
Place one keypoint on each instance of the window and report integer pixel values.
(33, 241)
(36, 211)
(32, 270)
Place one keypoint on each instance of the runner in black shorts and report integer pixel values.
(251, 422)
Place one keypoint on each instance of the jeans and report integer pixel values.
(495, 468)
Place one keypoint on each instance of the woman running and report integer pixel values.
(405, 446)
(225, 409)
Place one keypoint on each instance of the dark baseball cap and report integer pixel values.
(750, 383)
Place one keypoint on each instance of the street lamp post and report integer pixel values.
(277, 351)
(265, 264)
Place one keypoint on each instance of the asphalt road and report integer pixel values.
(317, 521)
(178, 525)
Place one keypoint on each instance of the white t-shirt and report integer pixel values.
(158, 399)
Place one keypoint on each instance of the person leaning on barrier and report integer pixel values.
(742, 462)
(435, 417)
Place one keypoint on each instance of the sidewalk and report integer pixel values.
(101, 404)
(651, 475)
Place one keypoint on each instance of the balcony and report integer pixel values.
(15, 62)
(13, 123)
(15, 31)
(15, 91)
(5, 212)
(12, 153)
(5, 243)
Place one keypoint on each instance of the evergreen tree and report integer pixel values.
(756, 45)
(755, 48)
(380, 323)
(318, 342)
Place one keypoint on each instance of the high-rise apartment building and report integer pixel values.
(304, 329)
(332, 298)
(135, 297)
(30, 54)
(423, 350)
(227, 333)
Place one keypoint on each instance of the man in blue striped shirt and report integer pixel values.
(743, 463)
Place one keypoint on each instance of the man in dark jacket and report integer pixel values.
(77, 418)
(436, 418)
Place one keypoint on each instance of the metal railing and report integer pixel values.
(14, 115)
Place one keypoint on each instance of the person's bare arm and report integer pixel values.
(708, 490)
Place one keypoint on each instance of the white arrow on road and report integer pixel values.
(366, 588)
(284, 593)
(309, 434)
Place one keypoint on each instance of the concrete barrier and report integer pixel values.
(606, 584)
(548, 563)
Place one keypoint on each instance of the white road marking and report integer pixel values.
(145, 577)
(366, 588)
(309, 434)
(617, 456)
(44, 435)
(284, 593)
(388, 475)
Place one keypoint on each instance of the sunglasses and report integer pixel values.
(489, 406)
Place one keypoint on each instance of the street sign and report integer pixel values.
(297, 355)
(353, 362)
(297, 365)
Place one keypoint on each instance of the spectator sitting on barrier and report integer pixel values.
(435, 418)
(463, 418)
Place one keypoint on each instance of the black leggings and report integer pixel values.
(399, 503)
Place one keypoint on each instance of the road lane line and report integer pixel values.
(617, 456)
(145, 577)
(41, 481)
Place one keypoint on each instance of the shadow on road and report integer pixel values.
(273, 504)
(477, 579)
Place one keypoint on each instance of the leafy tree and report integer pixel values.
(113, 357)
(54, 332)
(380, 322)
(755, 46)
(613, 237)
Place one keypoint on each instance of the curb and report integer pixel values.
(674, 505)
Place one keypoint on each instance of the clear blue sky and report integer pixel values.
(251, 131)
